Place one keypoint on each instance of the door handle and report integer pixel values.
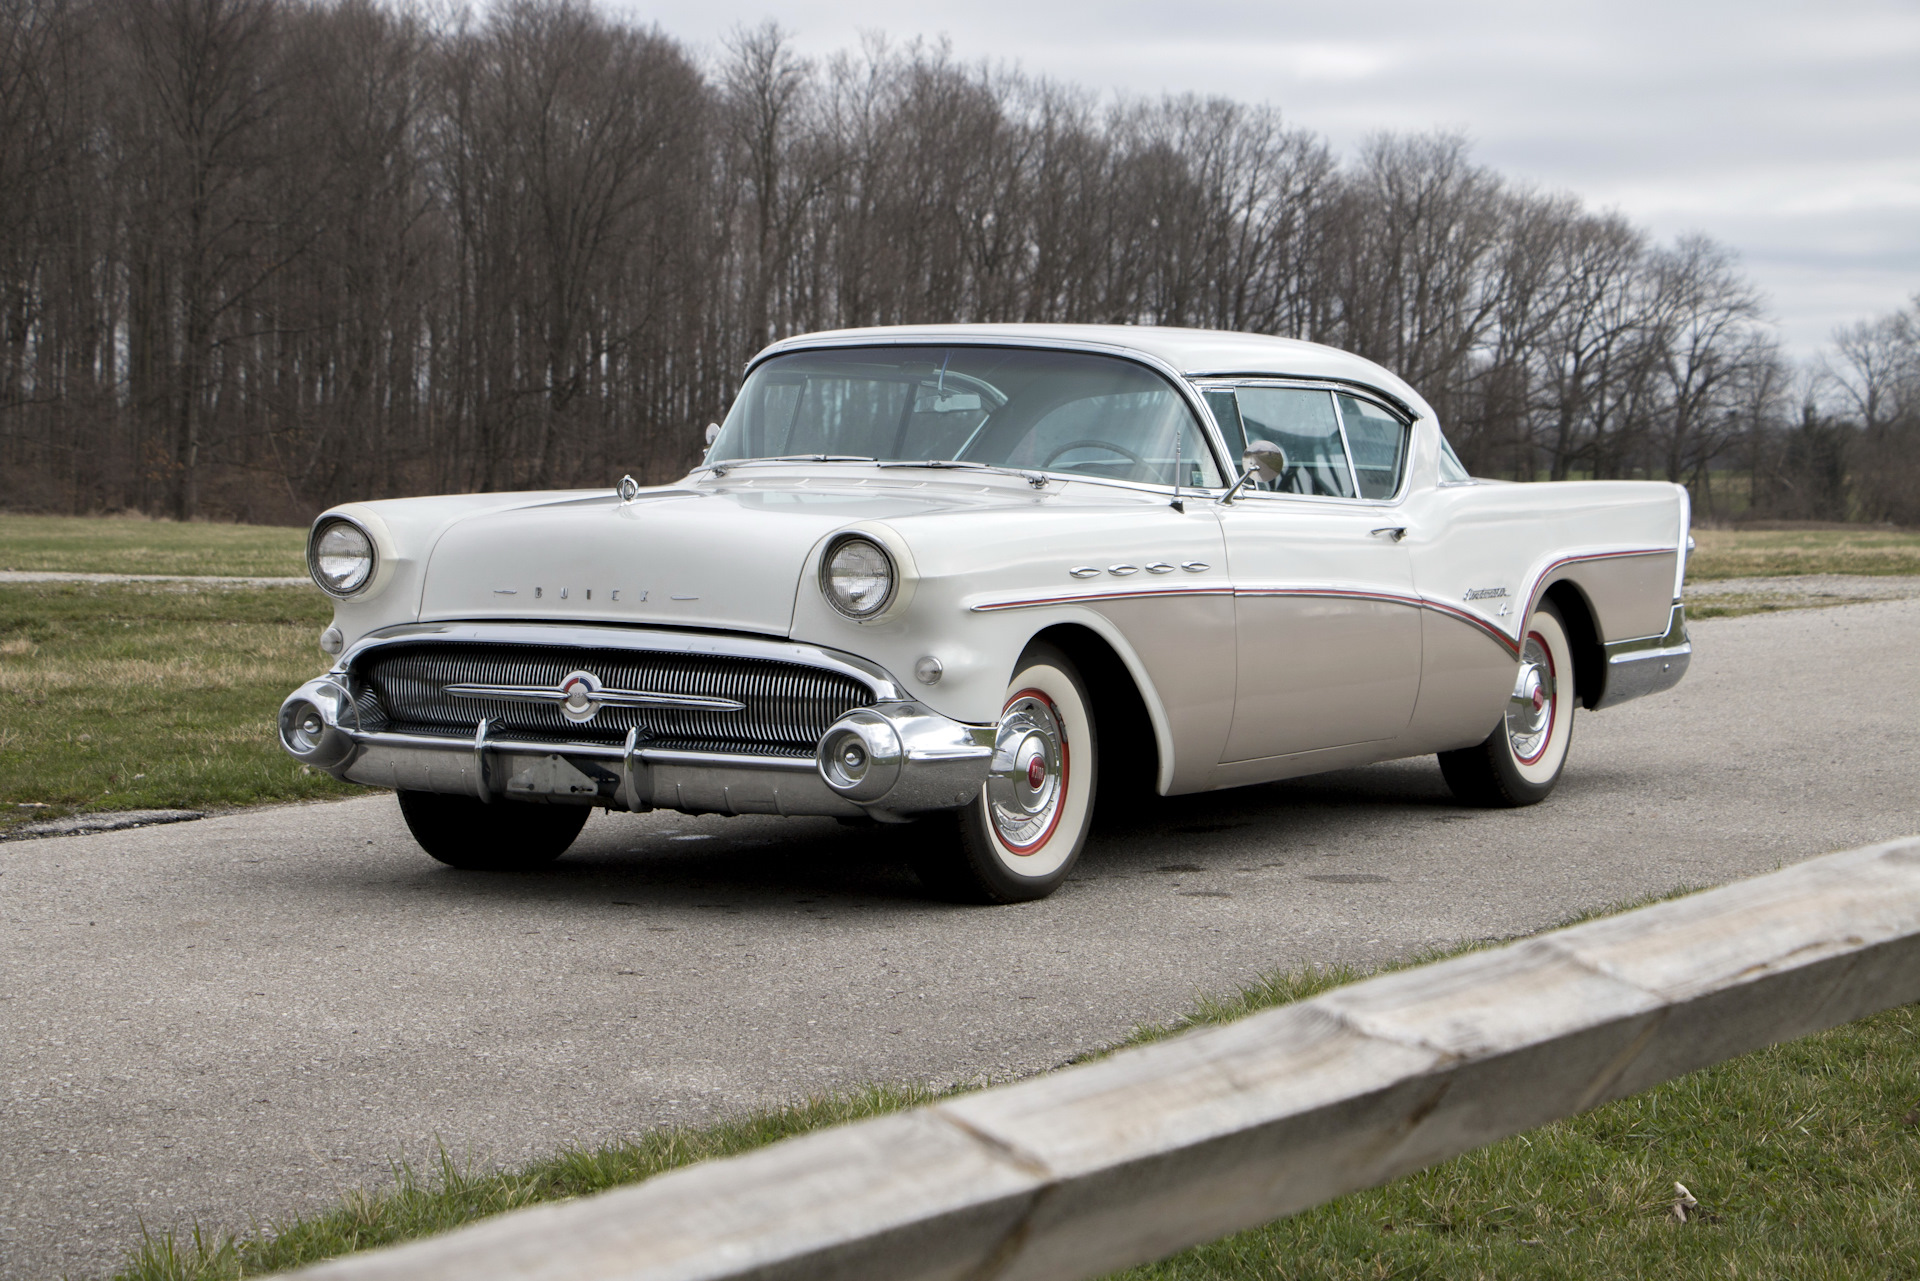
(1395, 532)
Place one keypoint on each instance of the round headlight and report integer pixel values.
(857, 577)
(341, 557)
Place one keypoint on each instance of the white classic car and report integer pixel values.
(974, 577)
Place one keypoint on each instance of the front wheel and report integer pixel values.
(1022, 835)
(506, 836)
(1520, 762)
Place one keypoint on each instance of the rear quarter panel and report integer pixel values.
(1484, 554)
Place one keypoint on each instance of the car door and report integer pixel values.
(1326, 618)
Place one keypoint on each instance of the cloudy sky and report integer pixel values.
(1789, 131)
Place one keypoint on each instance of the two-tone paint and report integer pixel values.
(1268, 636)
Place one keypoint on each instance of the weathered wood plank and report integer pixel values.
(1133, 1157)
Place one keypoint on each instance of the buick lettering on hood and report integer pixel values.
(977, 578)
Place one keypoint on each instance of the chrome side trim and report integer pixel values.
(1636, 668)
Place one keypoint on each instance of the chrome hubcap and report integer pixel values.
(1028, 778)
(1530, 708)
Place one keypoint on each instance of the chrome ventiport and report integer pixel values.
(1084, 571)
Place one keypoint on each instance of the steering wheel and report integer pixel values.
(1072, 445)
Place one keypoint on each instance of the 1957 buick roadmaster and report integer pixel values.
(977, 576)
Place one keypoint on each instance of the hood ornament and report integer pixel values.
(629, 489)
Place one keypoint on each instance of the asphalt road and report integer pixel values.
(243, 1017)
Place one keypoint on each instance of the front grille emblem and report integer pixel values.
(579, 697)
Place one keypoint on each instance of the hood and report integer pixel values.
(728, 558)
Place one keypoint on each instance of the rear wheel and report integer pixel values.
(1021, 836)
(1520, 762)
(506, 836)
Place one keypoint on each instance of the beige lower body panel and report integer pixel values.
(1186, 646)
(1466, 676)
(1631, 596)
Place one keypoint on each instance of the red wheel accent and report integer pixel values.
(1553, 704)
(1027, 850)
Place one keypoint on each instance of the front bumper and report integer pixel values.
(1636, 668)
(887, 761)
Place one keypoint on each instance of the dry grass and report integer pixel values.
(1748, 553)
(135, 545)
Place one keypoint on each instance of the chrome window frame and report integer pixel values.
(1183, 387)
(1335, 388)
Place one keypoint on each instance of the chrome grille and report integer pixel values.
(788, 705)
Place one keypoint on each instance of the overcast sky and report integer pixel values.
(1790, 132)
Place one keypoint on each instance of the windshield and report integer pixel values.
(1056, 411)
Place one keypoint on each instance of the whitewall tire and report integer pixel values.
(1021, 836)
(1521, 761)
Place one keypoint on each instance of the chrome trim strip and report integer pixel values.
(612, 636)
(606, 697)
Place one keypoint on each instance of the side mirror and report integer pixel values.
(713, 432)
(1264, 461)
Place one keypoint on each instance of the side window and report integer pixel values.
(1301, 421)
(1379, 444)
(1452, 471)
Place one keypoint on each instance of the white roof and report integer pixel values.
(1193, 352)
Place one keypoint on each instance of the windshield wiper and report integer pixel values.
(722, 468)
(1034, 479)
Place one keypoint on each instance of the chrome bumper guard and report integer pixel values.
(887, 762)
(1636, 668)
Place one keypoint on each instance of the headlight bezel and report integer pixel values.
(326, 525)
(832, 550)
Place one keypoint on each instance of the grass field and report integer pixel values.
(132, 545)
(1750, 553)
(148, 695)
(1804, 1158)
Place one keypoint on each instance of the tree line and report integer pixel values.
(259, 256)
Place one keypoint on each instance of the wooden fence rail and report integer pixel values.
(1138, 1155)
